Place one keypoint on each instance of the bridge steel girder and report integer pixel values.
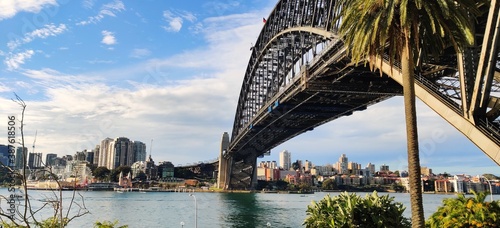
(488, 144)
(487, 61)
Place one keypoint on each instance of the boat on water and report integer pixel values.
(106, 186)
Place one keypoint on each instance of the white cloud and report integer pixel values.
(175, 20)
(88, 3)
(109, 9)
(9, 8)
(4, 88)
(140, 53)
(46, 31)
(14, 61)
(108, 38)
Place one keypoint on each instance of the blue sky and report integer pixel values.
(171, 72)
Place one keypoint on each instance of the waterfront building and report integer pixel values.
(443, 185)
(137, 168)
(285, 160)
(50, 159)
(77, 170)
(261, 173)
(458, 183)
(268, 174)
(166, 170)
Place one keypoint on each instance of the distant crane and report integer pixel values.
(32, 151)
(34, 141)
(151, 148)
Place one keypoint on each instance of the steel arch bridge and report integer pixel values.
(299, 77)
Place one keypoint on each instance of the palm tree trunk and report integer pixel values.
(407, 67)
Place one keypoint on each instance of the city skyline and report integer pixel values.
(172, 72)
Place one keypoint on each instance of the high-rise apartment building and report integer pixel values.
(97, 152)
(307, 166)
(371, 168)
(105, 152)
(124, 154)
(285, 160)
(139, 151)
(341, 165)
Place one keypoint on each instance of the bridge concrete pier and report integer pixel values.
(224, 163)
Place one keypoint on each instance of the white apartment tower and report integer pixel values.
(104, 152)
(285, 160)
(342, 164)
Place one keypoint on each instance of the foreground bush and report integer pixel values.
(351, 210)
(466, 212)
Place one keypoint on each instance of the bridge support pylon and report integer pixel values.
(224, 163)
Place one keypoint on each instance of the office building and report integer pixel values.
(50, 159)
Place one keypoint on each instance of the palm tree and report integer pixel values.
(401, 30)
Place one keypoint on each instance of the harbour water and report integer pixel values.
(172, 209)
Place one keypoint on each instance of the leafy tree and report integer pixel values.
(281, 184)
(292, 187)
(490, 176)
(466, 212)
(305, 187)
(141, 176)
(329, 184)
(296, 165)
(121, 169)
(410, 31)
(92, 167)
(397, 187)
(101, 173)
(351, 210)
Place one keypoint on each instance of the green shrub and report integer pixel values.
(108, 224)
(466, 212)
(351, 210)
